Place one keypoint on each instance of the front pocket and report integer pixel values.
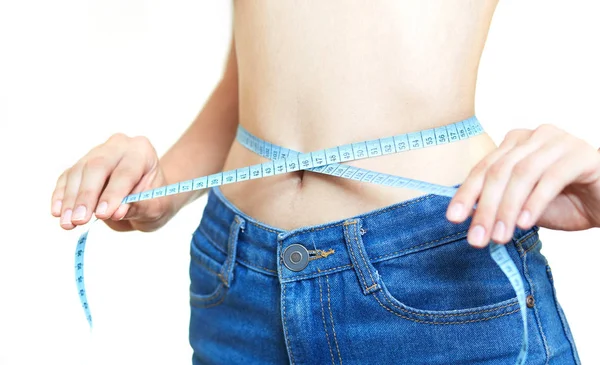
(207, 283)
(445, 282)
(447, 277)
(450, 283)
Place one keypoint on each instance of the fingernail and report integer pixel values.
(66, 217)
(499, 229)
(475, 236)
(456, 211)
(56, 207)
(524, 218)
(122, 208)
(101, 209)
(79, 213)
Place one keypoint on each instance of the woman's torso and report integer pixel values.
(317, 74)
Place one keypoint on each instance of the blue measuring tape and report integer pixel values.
(330, 162)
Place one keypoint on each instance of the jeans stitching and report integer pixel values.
(375, 258)
(256, 266)
(447, 315)
(535, 311)
(286, 334)
(323, 317)
(331, 318)
(519, 242)
(251, 265)
(443, 323)
(368, 215)
(229, 244)
(218, 292)
(209, 305)
(211, 241)
(566, 332)
(531, 247)
(263, 228)
(222, 279)
(293, 278)
(204, 266)
(419, 245)
(358, 269)
(362, 255)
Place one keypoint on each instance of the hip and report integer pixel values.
(380, 287)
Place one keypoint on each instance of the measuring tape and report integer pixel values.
(330, 162)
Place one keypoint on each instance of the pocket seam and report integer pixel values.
(202, 298)
(435, 316)
(205, 261)
(241, 261)
(195, 260)
(445, 314)
(442, 323)
(420, 246)
(211, 241)
(198, 302)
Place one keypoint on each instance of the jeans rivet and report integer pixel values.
(530, 301)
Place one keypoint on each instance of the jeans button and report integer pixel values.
(295, 257)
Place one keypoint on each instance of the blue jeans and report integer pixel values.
(399, 285)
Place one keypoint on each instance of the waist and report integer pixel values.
(395, 230)
(312, 122)
(304, 198)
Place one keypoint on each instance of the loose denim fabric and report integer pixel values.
(402, 286)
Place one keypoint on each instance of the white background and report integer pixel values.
(74, 72)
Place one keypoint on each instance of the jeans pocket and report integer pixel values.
(211, 266)
(447, 282)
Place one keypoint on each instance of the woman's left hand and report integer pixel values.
(543, 176)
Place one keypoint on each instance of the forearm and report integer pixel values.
(203, 148)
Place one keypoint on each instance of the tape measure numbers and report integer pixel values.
(330, 162)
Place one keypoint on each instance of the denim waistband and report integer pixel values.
(396, 230)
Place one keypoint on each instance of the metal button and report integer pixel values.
(295, 257)
(530, 301)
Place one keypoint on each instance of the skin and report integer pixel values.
(544, 176)
(102, 178)
(313, 74)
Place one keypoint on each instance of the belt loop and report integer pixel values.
(368, 278)
(226, 274)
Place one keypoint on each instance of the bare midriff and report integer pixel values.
(317, 74)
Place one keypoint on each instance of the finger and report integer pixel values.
(58, 194)
(125, 177)
(70, 192)
(565, 171)
(121, 212)
(94, 176)
(525, 175)
(465, 197)
(495, 181)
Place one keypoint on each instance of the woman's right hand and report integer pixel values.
(100, 180)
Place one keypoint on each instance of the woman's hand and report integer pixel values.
(543, 176)
(99, 181)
